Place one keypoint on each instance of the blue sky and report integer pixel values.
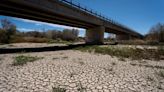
(31, 25)
(139, 15)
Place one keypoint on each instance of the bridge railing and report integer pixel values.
(94, 13)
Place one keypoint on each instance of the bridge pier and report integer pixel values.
(95, 35)
(123, 37)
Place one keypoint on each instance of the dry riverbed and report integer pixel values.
(75, 71)
(30, 45)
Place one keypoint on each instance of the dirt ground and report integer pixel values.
(78, 71)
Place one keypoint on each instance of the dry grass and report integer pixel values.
(29, 39)
(139, 42)
(125, 52)
(133, 42)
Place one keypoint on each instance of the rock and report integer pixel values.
(72, 85)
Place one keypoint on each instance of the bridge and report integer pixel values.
(67, 13)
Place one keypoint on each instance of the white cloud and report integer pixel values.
(49, 24)
(25, 29)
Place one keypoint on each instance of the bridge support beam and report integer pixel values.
(95, 35)
(123, 37)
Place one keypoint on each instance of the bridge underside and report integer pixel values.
(52, 11)
(96, 35)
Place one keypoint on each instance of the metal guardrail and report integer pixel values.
(94, 13)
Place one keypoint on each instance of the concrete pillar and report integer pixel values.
(95, 35)
(123, 37)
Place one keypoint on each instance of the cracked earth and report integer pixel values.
(78, 71)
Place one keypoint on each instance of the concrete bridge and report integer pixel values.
(66, 13)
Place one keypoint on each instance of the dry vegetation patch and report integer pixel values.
(126, 52)
(21, 60)
(57, 89)
(1, 58)
(161, 73)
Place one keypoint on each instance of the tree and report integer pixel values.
(111, 36)
(70, 34)
(8, 26)
(3, 36)
(156, 33)
(53, 34)
(161, 34)
(7, 31)
(34, 34)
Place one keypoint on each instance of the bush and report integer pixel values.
(125, 52)
(51, 41)
(57, 89)
(9, 33)
(133, 42)
(21, 60)
(156, 33)
(17, 39)
(161, 50)
(139, 42)
(151, 42)
(70, 35)
(3, 36)
(161, 73)
(35, 40)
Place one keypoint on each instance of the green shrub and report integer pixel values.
(51, 41)
(161, 73)
(161, 50)
(54, 89)
(21, 60)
